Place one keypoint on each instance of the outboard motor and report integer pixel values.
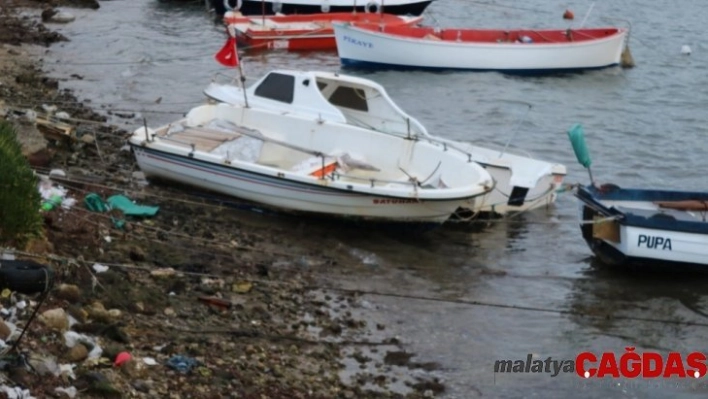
(518, 196)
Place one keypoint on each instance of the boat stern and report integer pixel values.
(523, 184)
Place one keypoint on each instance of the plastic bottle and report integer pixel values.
(53, 201)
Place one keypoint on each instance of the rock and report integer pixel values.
(136, 254)
(142, 385)
(88, 139)
(397, 358)
(55, 319)
(20, 376)
(98, 313)
(139, 307)
(31, 139)
(133, 368)
(61, 17)
(69, 292)
(110, 331)
(50, 109)
(166, 272)
(40, 158)
(92, 4)
(50, 83)
(5, 331)
(169, 312)
(242, 287)
(77, 313)
(48, 13)
(95, 384)
(26, 78)
(77, 354)
(114, 314)
(62, 115)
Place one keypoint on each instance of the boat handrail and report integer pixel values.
(514, 149)
(178, 141)
(322, 155)
(337, 176)
(445, 142)
(438, 140)
(232, 79)
(260, 136)
(332, 176)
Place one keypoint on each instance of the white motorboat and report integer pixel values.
(521, 182)
(297, 163)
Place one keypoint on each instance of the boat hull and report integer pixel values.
(522, 183)
(311, 42)
(284, 194)
(617, 242)
(300, 33)
(505, 200)
(365, 48)
(258, 7)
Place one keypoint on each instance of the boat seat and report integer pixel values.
(677, 215)
(323, 25)
(688, 205)
(203, 139)
(363, 176)
(279, 156)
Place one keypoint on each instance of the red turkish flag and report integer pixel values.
(228, 56)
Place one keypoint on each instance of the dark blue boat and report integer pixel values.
(270, 7)
(642, 226)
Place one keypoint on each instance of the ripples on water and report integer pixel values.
(645, 127)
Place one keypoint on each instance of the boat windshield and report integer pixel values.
(367, 107)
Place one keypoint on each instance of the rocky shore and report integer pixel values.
(197, 301)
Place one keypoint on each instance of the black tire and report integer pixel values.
(25, 276)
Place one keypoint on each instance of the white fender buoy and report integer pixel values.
(685, 50)
(228, 7)
(325, 6)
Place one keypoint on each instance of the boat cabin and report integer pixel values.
(328, 97)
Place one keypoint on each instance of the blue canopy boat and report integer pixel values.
(641, 226)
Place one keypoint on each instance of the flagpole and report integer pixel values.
(232, 33)
(382, 13)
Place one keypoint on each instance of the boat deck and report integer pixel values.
(288, 26)
(238, 142)
(201, 138)
(683, 216)
(651, 210)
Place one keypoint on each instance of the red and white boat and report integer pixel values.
(511, 51)
(303, 31)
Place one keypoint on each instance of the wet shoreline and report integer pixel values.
(179, 283)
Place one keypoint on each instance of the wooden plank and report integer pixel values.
(605, 229)
(55, 130)
(687, 205)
